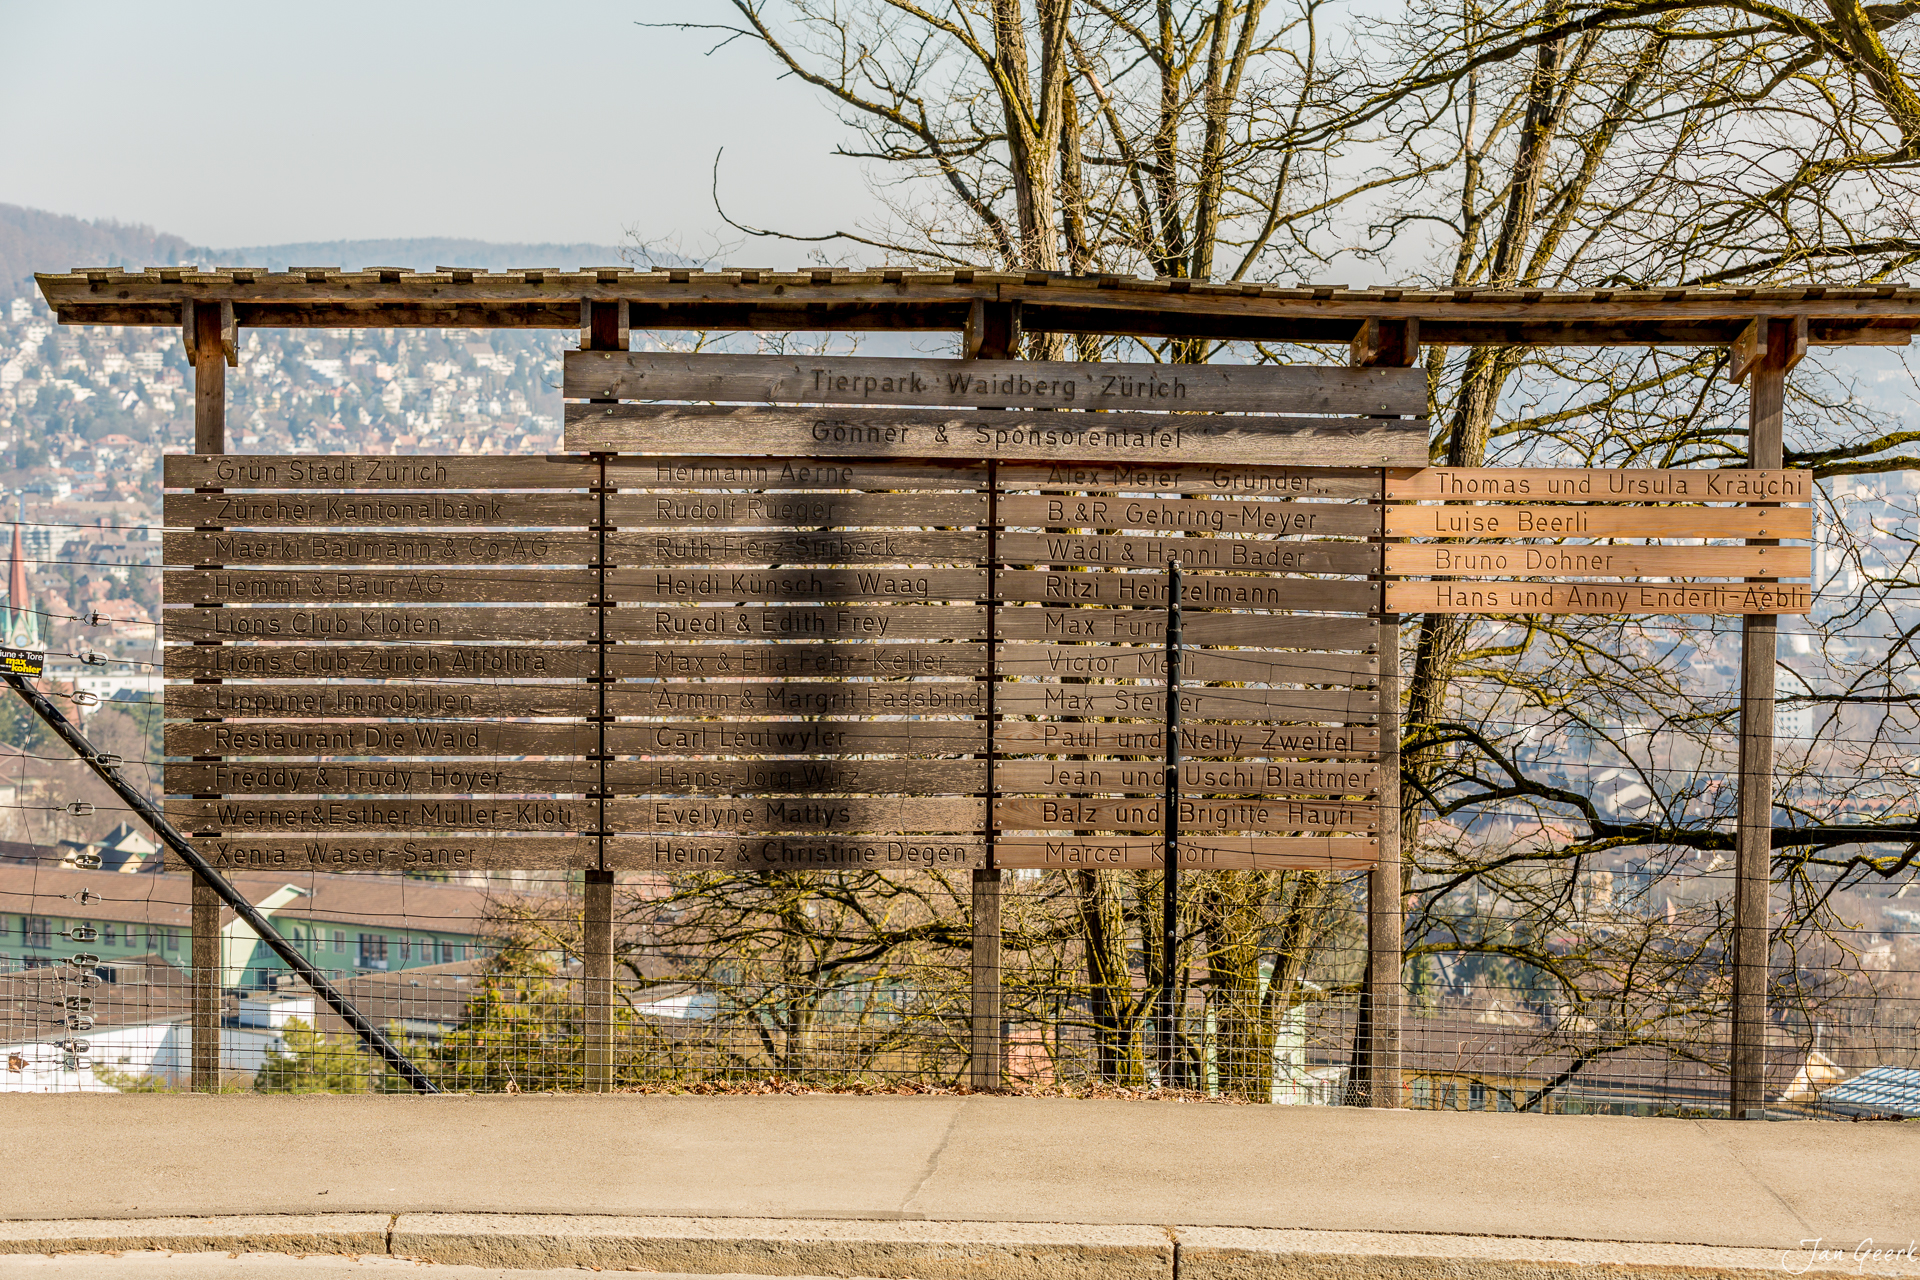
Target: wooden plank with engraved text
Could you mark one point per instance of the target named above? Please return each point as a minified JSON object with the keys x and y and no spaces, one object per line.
{"x":1192,"y":515}
{"x":1232,"y":741}
{"x":1265,"y":555}
{"x":1146,"y":626}
{"x":1147,"y":701}
{"x":312,"y":472}
{"x":690,"y":510}
{"x":1599,"y":597}
{"x":891,"y":815}
{"x":1197,"y":591}
{"x":852,"y":622}
{"x":634,"y":586}
{"x":379,"y":511}
{"x":381,"y":662}
{"x":377,"y":738}
{"x":1593,"y":521}
{"x":798,"y":737}
{"x":327,"y":813}
{"x":992,"y":384}
{"x":797,"y":777}
{"x":1196,"y":814}
{"x":1137,"y":439}
{"x":735,"y":472}
{"x":406,"y":697}
{"x":378,"y":586}
{"x":795,"y":661}
{"x":781,"y":698}
{"x":494,"y":546}
{"x":1211,"y":853}
{"x":383,"y":624}
{"x":1205,"y":777}
{"x":1172,"y":477}
{"x":1587,"y":560}
{"x":363,"y":777}
{"x":793,"y":853}
{"x":1543,"y":484}
{"x":397,"y":853}
{"x":784,"y":547}
{"x":1149,"y":662}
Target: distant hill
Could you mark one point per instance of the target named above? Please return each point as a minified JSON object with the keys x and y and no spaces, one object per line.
{"x":33,"y":240}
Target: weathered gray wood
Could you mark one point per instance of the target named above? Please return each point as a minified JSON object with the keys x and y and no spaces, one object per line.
{"x":317,"y":472}
{"x":793,"y":853}
{"x":851,"y":622}
{"x":1240,"y":481}
{"x":380,"y":662}
{"x":379,"y":548}
{"x":397,"y":853}
{"x":380,"y":777}
{"x":780,"y":698}
{"x":737,"y":472}
{"x":1599,"y":597}
{"x":336,"y":814}
{"x":383,"y":624}
{"x":1149,"y":702}
{"x":375,"y":738}
{"x":1197,"y":815}
{"x":893,"y":815}
{"x":1595,"y":560}
{"x":1146,"y":626}
{"x":1138,"y":439}
{"x":426,"y":587}
{"x":780,"y":585}
{"x":1539,"y":484}
{"x":379,"y":510}
{"x":1197,"y":591}
{"x":1212,"y":853}
{"x":797,"y":777}
{"x":795,"y":661}
{"x":1193,"y":515}
{"x":698,"y":510}
{"x":798,"y":737}
{"x":1149,"y":662}
{"x":1270,"y":555}
{"x":411,"y":698}
{"x":998,"y":384}
{"x":1202,"y":777}
{"x":1231,"y":741}
{"x":1458,"y":520}
{"x":795,"y":548}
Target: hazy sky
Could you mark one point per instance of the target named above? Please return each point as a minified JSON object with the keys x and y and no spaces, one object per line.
{"x":255,"y":123}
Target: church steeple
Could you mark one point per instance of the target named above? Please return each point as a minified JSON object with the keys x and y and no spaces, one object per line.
{"x":22,"y":620}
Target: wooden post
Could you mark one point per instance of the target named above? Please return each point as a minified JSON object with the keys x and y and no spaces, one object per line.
{"x":1765,"y":352}
{"x":992,"y":333}
{"x":603,"y":328}
{"x":209,"y":325}
{"x":1377,"y":1061}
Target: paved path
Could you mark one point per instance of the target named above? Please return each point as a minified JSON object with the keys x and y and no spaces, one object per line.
{"x":980,"y":1160}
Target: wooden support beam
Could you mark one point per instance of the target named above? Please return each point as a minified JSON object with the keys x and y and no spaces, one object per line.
{"x":596,"y":974}
{"x":989,"y":1048}
{"x":992,"y":332}
{"x":206,"y":326}
{"x":209,"y":380}
{"x":1776,"y":347}
{"x":1390,"y":343}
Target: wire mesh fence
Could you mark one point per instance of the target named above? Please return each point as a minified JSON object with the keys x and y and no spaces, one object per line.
{"x":860,"y":981}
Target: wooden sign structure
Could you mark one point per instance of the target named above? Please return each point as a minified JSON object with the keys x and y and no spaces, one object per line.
{"x":1507,"y":548}
{"x":774,"y":637}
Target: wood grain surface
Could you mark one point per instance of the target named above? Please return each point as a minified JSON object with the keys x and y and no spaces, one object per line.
{"x":1148,"y":813}
{"x":307,"y":473}
{"x":887,"y":815}
{"x":1149,"y":662}
{"x":381,"y":777}
{"x":725,"y":697}
{"x":1192,"y":515}
{"x":731,"y":511}
{"x":379,"y":586}
{"x":1135,"y":439}
{"x":737,"y":471}
{"x":1197,"y":777}
{"x":412,"y":698}
{"x":867,"y":380}
{"x":420,"y":853}
{"x":450,"y":738}
{"x":798,"y":737}
{"x":379,"y":510}
{"x":1595,"y":521}
{"x":795,"y":661}
{"x":1598,"y":597}
{"x":393,"y":625}
{"x":1197,"y":591}
{"x":333,"y":813}
{"x":1541,"y":484}
{"x":491,"y":662}
{"x":849,"y":622}
{"x":1239,"y":481}
{"x":1267,"y":555}
{"x":1588,"y":560}
{"x":1221,"y":741}
{"x":1147,"y":626}
{"x":733,"y":586}
{"x":1208,"y":853}
{"x":378,"y":547}
{"x":793,"y":853}
{"x":1149,"y":702}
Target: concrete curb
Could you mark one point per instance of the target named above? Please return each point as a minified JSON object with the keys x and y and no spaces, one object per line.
{"x":923,"y":1250}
